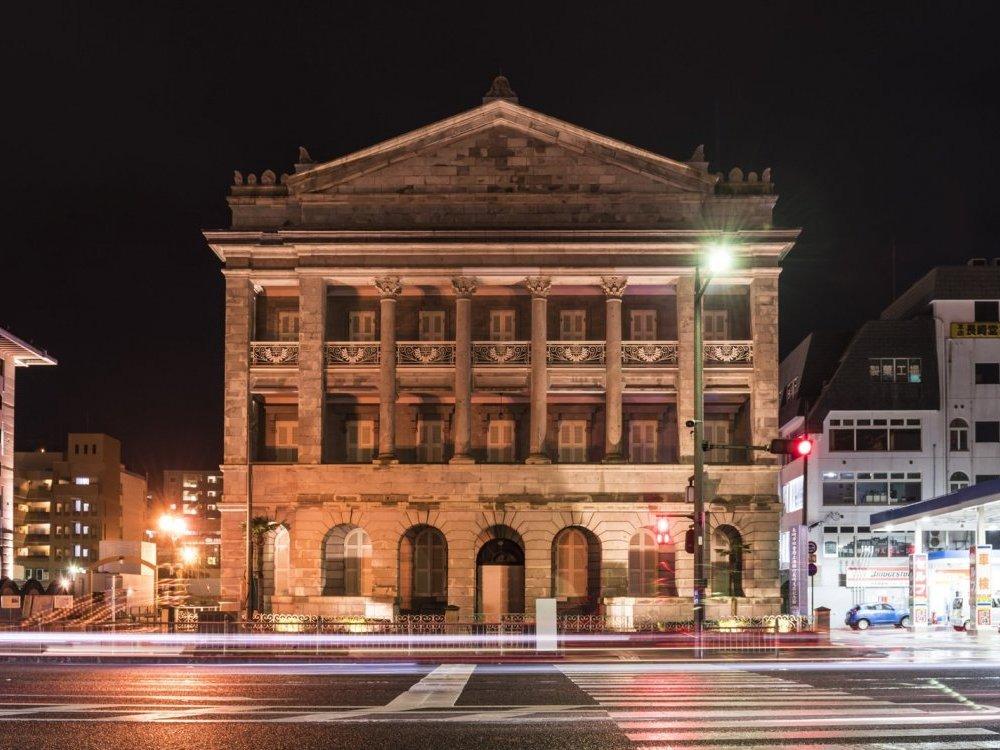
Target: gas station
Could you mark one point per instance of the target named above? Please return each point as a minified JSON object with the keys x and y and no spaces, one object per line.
{"x":956,"y":587}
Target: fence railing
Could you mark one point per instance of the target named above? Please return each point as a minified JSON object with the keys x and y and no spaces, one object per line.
{"x":425,"y":353}
{"x":723,"y":353}
{"x":274,"y":353}
{"x":357,"y":353}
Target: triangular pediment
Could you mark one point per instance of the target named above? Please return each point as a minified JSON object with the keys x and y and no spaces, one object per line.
{"x":501,"y":147}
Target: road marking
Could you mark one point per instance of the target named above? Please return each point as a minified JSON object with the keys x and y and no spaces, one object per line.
{"x":440,"y":689}
{"x":802,"y":734}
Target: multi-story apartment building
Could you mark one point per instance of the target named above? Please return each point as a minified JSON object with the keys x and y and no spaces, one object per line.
{"x":460,"y":364}
{"x":194,"y":496}
{"x":14,"y":353}
{"x":72,"y":501}
{"x":907,"y":409}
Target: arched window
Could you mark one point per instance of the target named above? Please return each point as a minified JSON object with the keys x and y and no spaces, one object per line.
{"x":958,"y":435}
{"x":276,"y":564}
{"x":571,"y":564}
{"x":347,"y":553}
{"x":957,"y":481}
{"x":430,"y":563}
{"x":727,"y":566}
{"x":642,"y":564}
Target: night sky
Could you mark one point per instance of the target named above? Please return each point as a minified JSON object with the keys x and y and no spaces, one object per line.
{"x":125,"y":121}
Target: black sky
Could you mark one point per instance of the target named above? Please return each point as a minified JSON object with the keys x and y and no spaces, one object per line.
{"x":124,"y":122}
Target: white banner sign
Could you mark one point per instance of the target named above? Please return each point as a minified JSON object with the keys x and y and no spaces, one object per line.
{"x":878,"y":576}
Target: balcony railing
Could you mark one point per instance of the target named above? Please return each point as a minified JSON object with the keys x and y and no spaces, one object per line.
{"x":501,"y":353}
{"x":575,"y":352}
{"x":649,"y":353}
{"x":359,"y":353}
{"x":728,"y":353}
{"x":274,"y":354}
{"x":425,"y":352}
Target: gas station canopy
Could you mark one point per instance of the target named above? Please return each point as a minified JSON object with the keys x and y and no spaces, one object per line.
{"x":962,"y":509}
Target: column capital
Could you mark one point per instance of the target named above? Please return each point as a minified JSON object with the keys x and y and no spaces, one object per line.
{"x":614,"y":286}
{"x":464,"y":286}
{"x":388,"y":286}
{"x":539,"y":286}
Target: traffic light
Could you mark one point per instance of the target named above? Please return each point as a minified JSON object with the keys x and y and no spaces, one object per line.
{"x":796,"y":447}
{"x":812,"y":558}
{"x":689,"y":541}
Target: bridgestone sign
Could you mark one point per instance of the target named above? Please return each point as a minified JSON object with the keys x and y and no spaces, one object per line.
{"x":865,"y":576}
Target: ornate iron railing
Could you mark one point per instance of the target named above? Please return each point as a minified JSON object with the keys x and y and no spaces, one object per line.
{"x":501,"y":353}
{"x":728,"y":353}
{"x":425,"y":352}
{"x":274,"y":353}
{"x":645,"y":353}
{"x":575,"y":352}
{"x":353,"y":353}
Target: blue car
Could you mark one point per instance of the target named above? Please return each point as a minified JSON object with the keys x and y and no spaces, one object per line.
{"x":863,"y":616}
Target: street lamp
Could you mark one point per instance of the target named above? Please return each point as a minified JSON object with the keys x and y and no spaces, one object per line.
{"x":717,"y":259}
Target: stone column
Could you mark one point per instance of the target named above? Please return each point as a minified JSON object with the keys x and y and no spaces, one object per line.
{"x":685,"y":368}
{"x":312,"y":400}
{"x":764,"y":386}
{"x":390,"y":288}
{"x":464,"y":287}
{"x":539,"y":287}
{"x":614,"y":287}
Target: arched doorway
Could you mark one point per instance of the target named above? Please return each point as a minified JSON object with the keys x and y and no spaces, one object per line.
{"x":576,"y":570}
{"x":423,"y":571}
{"x":652,"y":567}
{"x":500,"y":577}
{"x":276,"y":566}
{"x":347,"y":558}
{"x":727,"y":565}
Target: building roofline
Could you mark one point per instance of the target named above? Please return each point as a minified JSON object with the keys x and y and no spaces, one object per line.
{"x":25,"y":355}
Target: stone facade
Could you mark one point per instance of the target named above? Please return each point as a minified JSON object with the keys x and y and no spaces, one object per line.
{"x":460,"y":363}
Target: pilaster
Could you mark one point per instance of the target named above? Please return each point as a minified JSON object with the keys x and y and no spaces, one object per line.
{"x":764,"y":387}
{"x":240,"y":295}
{"x":685,"y":367}
{"x":312,"y":325}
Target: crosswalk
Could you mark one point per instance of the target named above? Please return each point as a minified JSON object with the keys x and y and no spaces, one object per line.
{"x":710,"y":710}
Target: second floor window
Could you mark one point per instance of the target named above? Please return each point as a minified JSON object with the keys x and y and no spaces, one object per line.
{"x":987,"y":373}
{"x":360,"y":441}
{"x":988,"y":432}
{"x":874,"y":435}
{"x":288,"y":325}
{"x":717,"y":432}
{"x":362,"y":325}
{"x":431,"y":325}
{"x":500,"y":441}
{"x":572,"y":441}
{"x":430,"y":441}
{"x":286,"y":433}
{"x":715,"y":324}
{"x":642,"y":325}
{"x":958,"y":435}
{"x":642,"y":441}
{"x":572,"y":325}
{"x":501,"y":325}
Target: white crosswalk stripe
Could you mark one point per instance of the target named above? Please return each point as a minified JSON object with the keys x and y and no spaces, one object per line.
{"x":710,"y":710}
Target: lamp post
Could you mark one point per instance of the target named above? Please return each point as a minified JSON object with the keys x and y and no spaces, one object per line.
{"x":718,"y":259}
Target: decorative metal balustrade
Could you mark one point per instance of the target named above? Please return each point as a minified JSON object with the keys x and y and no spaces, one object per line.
{"x":649,"y":353}
{"x":575,"y":353}
{"x":501,"y":353}
{"x":274,"y":353}
{"x":723,"y":353}
{"x":425,"y":353}
{"x":358,"y":353}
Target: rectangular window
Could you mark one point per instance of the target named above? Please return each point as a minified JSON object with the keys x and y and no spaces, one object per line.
{"x":431,"y":325}
{"x":430,"y":441}
{"x":871,"y":488}
{"x":988,"y":432}
{"x":500,"y":441}
{"x":288,"y":325}
{"x":987,"y":312}
{"x":642,"y":441}
{"x":715,"y":324}
{"x":572,"y":441}
{"x":987,"y":373}
{"x":904,"y":439}
{"x":286,"y":433}
{"x":501,"y":325}
{"x":872,"y":439}
{"x":362,"y":325}
{"x":842,"y":439}
{"x":572,"y":325}
{"x":980,"y":478}
{"x":360,"y":441}
{"x":717,"y":433}
{"x":643,"y":325}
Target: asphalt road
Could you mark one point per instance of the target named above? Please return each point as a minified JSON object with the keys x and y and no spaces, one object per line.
{"x":561,"y":705}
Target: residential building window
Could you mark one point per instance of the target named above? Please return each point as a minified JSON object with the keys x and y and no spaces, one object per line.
{"x":958,"y":435}
{"x":643,"y":325}
{"x":430,"y":441}
{"x":957,"y":481}
{"x":431,"y":325}
{"x":987,"y":311}
{"x":642,"y":441}
{"x":715,"y":325}
{"x":988,"y":432}
{"x":361,"y":325}
{"x":572,"y":441}
{"x":572,"y":325}
{"x":501,"y":325}
{"x":500,"y":441}
{"x":717,"y":433}
{"x":360,"y":441}
{"x":871,"y":488}
{"x":987,"y":373}
{"x":874,"y":435}
{"x":288,"y":326}
{"x":895,"y":369}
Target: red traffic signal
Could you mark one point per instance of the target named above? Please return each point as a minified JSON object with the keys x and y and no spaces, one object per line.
{"x":797,"y":447}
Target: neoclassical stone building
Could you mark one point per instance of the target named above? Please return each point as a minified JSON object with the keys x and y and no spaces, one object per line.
{"x":460,"y":365}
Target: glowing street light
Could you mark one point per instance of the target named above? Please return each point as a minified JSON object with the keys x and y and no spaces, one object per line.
{"x":189,"y":555}
{"x":173,"y":525}
{"x":719,"y":259}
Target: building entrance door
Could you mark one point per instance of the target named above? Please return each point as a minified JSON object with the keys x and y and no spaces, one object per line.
{"x":500,"y":579}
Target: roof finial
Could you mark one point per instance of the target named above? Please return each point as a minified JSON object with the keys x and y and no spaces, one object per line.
{"x":500,"y":89}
